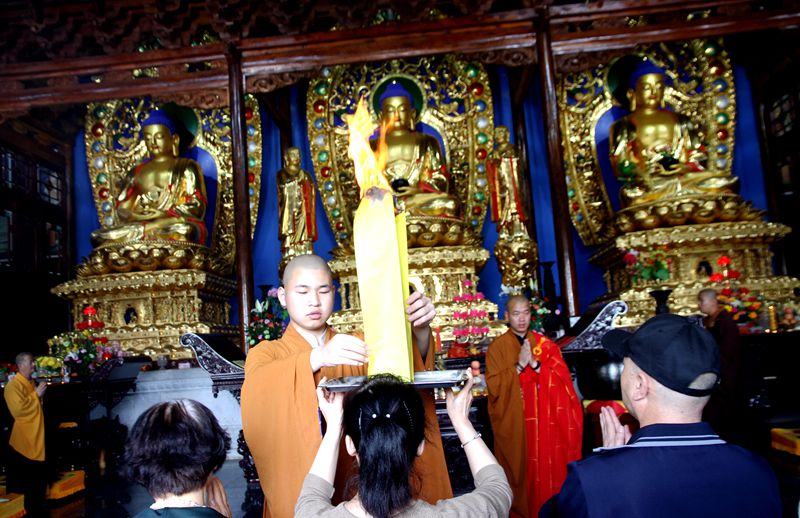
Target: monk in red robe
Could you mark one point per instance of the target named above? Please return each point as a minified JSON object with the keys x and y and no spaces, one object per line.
{"x":280,"y":419}
{"x":536,"y":416}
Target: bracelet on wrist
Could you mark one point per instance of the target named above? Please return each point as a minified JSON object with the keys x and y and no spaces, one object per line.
{"x":520,"y":367}
{"x":477,"y":436}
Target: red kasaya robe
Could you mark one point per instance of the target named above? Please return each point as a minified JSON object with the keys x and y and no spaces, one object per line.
{"x":536,"y":418}
{"x":282,"y":425}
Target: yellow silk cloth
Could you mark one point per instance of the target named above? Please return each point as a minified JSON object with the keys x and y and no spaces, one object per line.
{"x":382,"y":268}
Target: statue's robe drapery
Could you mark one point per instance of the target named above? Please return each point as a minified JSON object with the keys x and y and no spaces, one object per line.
{"x":505,"y":200}
{"x":536,"y":419}
{"x":180,"y":205}
{"x":283,"y":428}
{"x":426,"y":175}
{"x":684,"y":152}
{"x":296,"y":210}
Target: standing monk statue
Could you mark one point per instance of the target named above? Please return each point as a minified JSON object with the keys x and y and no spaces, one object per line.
{"x":296,"y":207}
{"x":516,"y":252}
{"x":163,"y":198}
{"x":505,"y":186}
{"x":415,"y":166}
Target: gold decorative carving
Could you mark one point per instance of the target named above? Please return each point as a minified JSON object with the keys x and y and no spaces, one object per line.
{"x":456,"y":104}
{"x":701,"y":89}
{"x":508,"y":57}
{"x":692,"y":249}
{"x":206,"y":99}
{"x":439,"y":272}
{"x":274,"y":81}
{"x":147,"y":312}
{"x":517,"y":254}
{"x":114,"y":148}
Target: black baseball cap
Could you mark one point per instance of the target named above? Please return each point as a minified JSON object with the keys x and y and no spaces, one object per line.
{"x":672,"y":349}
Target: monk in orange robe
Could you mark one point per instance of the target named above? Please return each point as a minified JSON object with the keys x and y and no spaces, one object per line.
{"x":536,"y":416}
{"x":280,"y":419}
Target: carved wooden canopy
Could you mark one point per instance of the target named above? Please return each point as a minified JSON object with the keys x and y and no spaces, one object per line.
{"x":76,"y":51}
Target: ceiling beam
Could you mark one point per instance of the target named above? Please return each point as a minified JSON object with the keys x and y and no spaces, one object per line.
{"x":266,"y":56}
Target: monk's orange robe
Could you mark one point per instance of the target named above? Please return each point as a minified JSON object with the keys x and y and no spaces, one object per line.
{"x":536,"y":418}
{"x":283,"y":428}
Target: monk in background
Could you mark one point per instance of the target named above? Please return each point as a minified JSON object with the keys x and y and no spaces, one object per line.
{"x":536,"y":416}
{"x":280,"y":418}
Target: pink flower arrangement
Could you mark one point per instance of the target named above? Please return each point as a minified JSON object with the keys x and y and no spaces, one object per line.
{"x":469,"y":322}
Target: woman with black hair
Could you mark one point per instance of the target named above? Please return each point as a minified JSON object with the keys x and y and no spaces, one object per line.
{"x":173,"y":449}
{"x":384,"y":426}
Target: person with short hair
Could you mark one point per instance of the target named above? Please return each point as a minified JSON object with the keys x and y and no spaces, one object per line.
{"x":384,"y":428}
{"x":280,"y":420}
{"x":173,"y":450}
{"x":536,"y":416}
{"x":674,"y":465}
{"x":726,"y":402}
{"x":27,"y":472}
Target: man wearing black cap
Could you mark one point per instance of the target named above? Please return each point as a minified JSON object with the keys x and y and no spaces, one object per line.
{"x":675,"y":465}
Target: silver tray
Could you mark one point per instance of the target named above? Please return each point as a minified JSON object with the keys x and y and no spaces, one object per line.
{"x":422,"y":380}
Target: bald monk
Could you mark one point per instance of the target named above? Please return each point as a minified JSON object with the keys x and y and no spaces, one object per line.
{"x":280,"y":420}
{"x":537,"y":434}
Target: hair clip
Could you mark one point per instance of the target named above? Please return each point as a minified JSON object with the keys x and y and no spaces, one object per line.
{"x":408,"y":413}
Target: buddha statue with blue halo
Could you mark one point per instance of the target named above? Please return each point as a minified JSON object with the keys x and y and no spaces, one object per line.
{"x":661,"y":161}
{"x":657,"y":153}
{"x":415,"y":166}
{"x":162,"y":199}
{"x":159,"y":211}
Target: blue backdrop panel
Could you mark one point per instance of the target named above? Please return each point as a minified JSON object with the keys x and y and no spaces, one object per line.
{"x":747,"y":153}
{"x":266,"y":243}
{"x":540,"y":177}
{"x":85,"y":212}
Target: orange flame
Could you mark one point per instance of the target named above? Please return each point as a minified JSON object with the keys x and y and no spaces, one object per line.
{"x":368,"y":164}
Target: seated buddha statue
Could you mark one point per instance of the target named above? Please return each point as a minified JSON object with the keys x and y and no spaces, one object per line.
{"x":655,"y":152}
{"x":415,"y":166}
{"x":163,"y":198}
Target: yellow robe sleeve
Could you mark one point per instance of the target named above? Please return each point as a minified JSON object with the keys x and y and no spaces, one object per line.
{"x":27,"y":434}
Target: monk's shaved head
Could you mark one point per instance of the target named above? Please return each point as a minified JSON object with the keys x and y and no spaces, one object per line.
{"x":303,"y":263}
{"x":707,"y":294}
{"x":516,"y":299}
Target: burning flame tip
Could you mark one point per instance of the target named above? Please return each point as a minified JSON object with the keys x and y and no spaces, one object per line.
{"x":368,"y":164}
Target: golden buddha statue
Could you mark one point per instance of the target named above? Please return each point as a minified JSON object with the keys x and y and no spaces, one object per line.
{"x":656,"y":153}
{"x":163,"y":198}
{"x":504,"y":185}
{"x":415,"y":166}
{"x":296,"y":207}
{"x":516,"y":253}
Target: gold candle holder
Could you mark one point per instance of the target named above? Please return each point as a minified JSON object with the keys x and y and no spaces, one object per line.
{"x":773,"y":318}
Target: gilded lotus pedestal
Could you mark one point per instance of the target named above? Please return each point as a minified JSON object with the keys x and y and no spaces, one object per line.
{"x":693,"y":251}
{"x":147,"y":312}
